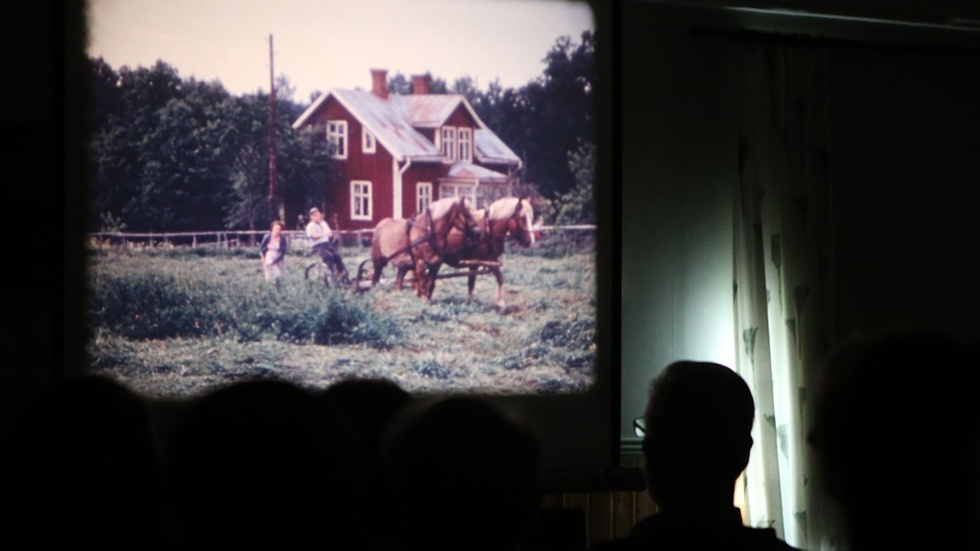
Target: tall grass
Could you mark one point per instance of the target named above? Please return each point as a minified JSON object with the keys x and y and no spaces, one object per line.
{"x":171,"y":321}
{"x":172,"y":294}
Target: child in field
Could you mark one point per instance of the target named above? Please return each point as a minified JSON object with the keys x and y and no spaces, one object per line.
{"x":273,"y":249}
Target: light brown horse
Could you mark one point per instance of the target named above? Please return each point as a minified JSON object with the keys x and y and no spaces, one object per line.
{"x":506,"y":217}
{"x":418,"y":243}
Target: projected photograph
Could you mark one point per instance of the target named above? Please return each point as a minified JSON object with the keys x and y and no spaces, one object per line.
{"x":313,"y":191}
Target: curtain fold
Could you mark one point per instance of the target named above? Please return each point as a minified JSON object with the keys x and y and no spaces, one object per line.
{"x":780,"y":264}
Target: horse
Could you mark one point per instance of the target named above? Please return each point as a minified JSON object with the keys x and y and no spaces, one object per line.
{"x":418,"y":243}
{"x":506,"y":217}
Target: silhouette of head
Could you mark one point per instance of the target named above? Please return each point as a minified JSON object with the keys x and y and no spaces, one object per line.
{"x":80,"y":462}
{"x":371,"y":405}
{"x":698,"y":434}
{"x":263,"y":463}
{"x":463,"y":476}
{"x":895,"y":432}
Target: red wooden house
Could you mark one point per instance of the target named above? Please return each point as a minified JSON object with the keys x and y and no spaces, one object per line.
{"x":397,"y":153}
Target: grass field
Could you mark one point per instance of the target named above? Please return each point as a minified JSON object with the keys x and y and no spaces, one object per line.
{"x":178,"y":322}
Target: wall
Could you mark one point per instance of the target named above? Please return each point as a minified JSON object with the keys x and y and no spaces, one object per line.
{"x":607,"y":515}
{"x":371,"y":167}
{"x":906,"y":142}
{"x":31,"y":165}
{"x":678,"y":147}
{"x":905,"y":120}
{"x":905,"y":104}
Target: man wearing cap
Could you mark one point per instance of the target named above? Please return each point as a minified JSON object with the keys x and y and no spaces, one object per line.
{"x":320,"y":235}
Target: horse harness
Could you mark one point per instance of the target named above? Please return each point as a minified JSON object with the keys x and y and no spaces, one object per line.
{"x":429,"y":235}
{"x":488,"y":236}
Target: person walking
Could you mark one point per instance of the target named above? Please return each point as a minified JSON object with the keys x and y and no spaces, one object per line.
{"x":273,"y":249}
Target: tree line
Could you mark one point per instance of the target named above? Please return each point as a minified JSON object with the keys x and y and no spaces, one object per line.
{"x":178,"y":154}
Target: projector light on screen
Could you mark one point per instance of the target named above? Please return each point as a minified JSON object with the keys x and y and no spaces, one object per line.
{"x":373,"y":113}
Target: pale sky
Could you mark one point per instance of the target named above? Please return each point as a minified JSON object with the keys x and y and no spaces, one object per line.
{"x":323,"y":44}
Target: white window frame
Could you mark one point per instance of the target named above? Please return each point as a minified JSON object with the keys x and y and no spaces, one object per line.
{"x":458,"y":190}
{"x":423,"y":195}
{"x":369,"y":144}
{"x":465,"y":145}
{"x":361,"y":201}
{"x":448,"y":141}
{"x":337,"y":137}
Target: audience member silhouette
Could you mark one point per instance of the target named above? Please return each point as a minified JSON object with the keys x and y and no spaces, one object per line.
{"x":896,"y":439}
{"x":371,"y":404}
{"x":698,"y":436}
{"x":80,"y":469}
{"x":264,"y":464}
{"x":462,"y":475}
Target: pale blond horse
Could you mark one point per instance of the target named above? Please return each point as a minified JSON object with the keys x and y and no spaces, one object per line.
{"x":418,"y":243}
{"x":506,"y":217}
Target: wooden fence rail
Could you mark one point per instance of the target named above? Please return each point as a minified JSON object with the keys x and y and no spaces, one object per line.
{"x":250,"y":238}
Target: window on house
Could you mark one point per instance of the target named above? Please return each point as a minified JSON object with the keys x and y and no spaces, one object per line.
{"x":337,"y":138}
{"x":360,"y":200}
{"x":486,"y":195}
{"x":449,"y":142}
{"x":458,"y":190}
{"x":466,"y":144}
{"x":368,"y":144}
{"x":423,"y":196}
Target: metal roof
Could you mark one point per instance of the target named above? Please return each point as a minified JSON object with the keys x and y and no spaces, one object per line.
{"x":387,"y":121}
{"x":394,"y":121}
{"x":430,"y":110}
{"x":469,"y":171}
{"x":489,"y":148}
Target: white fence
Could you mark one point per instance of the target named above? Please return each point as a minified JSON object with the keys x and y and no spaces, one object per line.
{"x":223,"y":239}
{"x":250,"y":238}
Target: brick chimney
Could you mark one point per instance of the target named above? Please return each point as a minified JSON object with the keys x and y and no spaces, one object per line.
{"x":420,"y":84}
{"x":379,"y":83}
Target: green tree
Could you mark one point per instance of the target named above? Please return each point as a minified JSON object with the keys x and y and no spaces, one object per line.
{"x":248,"y":205}
{"x":183,"y":160}
{"x":172,"y":154}
{"x":306,"y":170}
{"x":399,"y":84}
{"x":506,"y":111}
{"x":560,"y":114}
{"x":303,"y":165}
{"x":126,"y":103}
{"x":547,"y":120}
{"x":577,"y":206}
{"x":437,"y":85}
{"x":466,"y":86}
{"x":105,"y":94}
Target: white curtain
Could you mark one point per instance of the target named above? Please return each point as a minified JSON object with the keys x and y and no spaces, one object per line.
{"x":781,"y":262}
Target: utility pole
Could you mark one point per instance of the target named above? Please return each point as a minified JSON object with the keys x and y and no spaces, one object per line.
{"x":275,"y":210}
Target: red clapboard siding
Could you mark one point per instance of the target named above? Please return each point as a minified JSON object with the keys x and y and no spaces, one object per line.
{"x":420,"y":172}
{"x":373,"y":167}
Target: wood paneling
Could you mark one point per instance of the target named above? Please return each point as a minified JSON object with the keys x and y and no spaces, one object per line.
{"x":608,"y":515}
